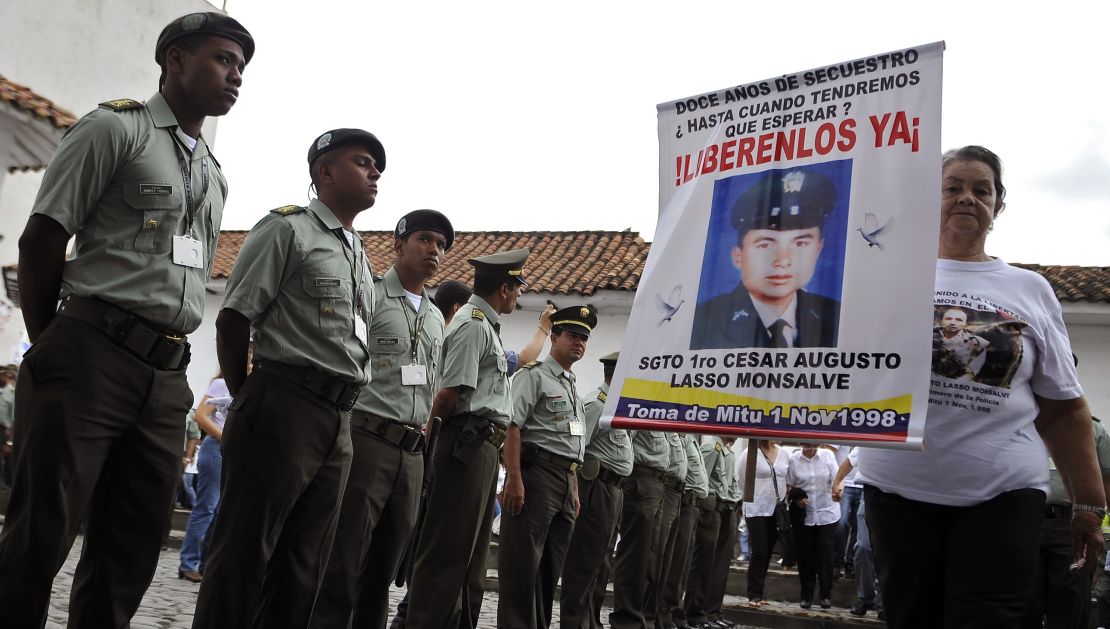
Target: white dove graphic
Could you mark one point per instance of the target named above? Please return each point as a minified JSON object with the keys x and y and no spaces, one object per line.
{"x":671,"y":305}
{"x":871,"y":230}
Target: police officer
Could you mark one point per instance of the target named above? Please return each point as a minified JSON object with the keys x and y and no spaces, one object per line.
{"x":474,"y":399}
{"x":674,"y":583}
{"x":303,"y":282}
{"x":383,"y":491}
{"x":103,"y":389}
{"x":674,"y":481}
{"x":714,"y":535}
{"x":608,"y":462}
{"x":544,"y":447}
{"x":643,"y":501}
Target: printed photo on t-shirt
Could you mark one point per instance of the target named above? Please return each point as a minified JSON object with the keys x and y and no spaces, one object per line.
{"x":982,"y":346}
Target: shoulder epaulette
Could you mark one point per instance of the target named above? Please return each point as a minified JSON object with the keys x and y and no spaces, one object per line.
{"x":121,"y":104}
{"x":286,"y":210}
{"x":718,"y":447}
{"x":530,"y":365}
{"x":477,"y":314}
{"x":602,"y":396}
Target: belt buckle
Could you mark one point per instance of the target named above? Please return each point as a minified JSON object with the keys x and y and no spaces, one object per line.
{"x":574,"y":467}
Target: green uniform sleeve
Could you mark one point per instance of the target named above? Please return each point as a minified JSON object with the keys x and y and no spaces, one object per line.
{"x":462,"y":351}
{"x":1102,"y":447}
{"x":525,"y":391}
{"x":262,"y":267}
{"x":82,"y":168}
{"x":592,"y":408}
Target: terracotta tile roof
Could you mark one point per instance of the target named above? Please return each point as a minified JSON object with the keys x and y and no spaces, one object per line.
{"x":580,"y":262}
{"x":22,"y":97}
{"x":1076,"y":283}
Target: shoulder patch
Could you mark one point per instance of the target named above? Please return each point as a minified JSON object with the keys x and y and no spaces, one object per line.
{"x":478,"y":314}
{"x":121,"y":104}
{"x":286,"y":210}
{"x":717,"y":446}
{"x":530,"y":365}
{"x":602,"y":396}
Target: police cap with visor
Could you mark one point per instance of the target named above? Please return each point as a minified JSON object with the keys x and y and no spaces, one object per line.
{"x":578,"y":319}
{"x":506,"y":265}
{"x":784,"y":200}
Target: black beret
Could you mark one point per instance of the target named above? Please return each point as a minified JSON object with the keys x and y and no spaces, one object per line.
{"x":209,"y":23}
{"x":579,"y":319}
{"x":340,"y":137}
{"x":425,"y":219}
{"x":784,"y":200}
{"x":506,"y":265}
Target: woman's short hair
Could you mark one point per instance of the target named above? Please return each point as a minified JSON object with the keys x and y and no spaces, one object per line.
{"x":974,"y":153}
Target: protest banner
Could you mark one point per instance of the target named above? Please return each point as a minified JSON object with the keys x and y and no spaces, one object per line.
{"x":789,"y":290}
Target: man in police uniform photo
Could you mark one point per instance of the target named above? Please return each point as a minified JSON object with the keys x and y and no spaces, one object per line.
{"x":544,"y":448}
{"x":475,"y":404}
{"x":102,"y":392}
{"x":779,"y":222}
{"x":302,"y":282}
{"x":383,"y":490}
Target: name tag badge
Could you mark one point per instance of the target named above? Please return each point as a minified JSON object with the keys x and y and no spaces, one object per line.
{"x":576,"y":427}
{"x":414,"y":375}
{"x":360,"y":331}
{"x":188,"y":251}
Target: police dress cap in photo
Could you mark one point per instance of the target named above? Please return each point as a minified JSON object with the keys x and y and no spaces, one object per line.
{"x":425,"y":219}
{"x":785,"y":200}
{"x":505,"y":265}
{"x":336,"y":138}
{"x":609,"y":359}
{"x":208,"y":23}
{"x":578,"y":319}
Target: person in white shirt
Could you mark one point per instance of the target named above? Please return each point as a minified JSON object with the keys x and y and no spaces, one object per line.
{"x":809,"y":476}
{"x":771,"y":468}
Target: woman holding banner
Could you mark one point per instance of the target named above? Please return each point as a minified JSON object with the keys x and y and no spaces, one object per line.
{"x":955,"y":527}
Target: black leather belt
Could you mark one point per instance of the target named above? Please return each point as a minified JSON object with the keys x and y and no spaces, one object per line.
{"x":708,"y":503}
{"x":404,"y":437}
{"x":159,"y":349}
{"x":561,"y":462}
{"x":497,"y":437}
{"x":726,"y":507}
{"x":1052,"y":512}
{"x":650,"y":472}
{"x":674,"y":484}
{"x":690,"y":497}
{"x":339,"y":392}
{"x":607,"y":475}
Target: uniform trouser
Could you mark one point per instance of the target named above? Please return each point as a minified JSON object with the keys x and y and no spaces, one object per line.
{"x":375,"y":524}
{"x":604,"y":571}
{"x":674,"y":584}
{"x":722,"y":560}
{"x":98,"y":440}
{"x":287,"y":454}
{"x":816,"y":559}
{"x":533,"y":545}
{"x":1060,"y":595}
{"x":591,"y":541}
{"x":701,"y":564}
{"x":965,"y":566}
{"x":762,"y":534}
{"x":450,"y":539}
{"x":194,"y":548}
{"x":662,"y":546}
{"x":643,"y":499}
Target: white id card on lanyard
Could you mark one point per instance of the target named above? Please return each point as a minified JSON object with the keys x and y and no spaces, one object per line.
{"x":414,"y":375}
{"x":360,"y":330}
{"x":188,"y":251}
{"x":576,"y":427}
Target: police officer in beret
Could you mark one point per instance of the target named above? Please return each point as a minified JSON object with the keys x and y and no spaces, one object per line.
{"x":137,"y":187}
{"x":544,"y":448}
{"x":779,"y":222}
{"x":303,"y":283}
{"x":475,"y":403}
{"x":383,"y":492}
{"x":608,"y":462}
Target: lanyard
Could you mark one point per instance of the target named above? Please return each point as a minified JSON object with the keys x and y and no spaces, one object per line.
{"x":353,"y":259}
{"x":568,"y":384}
{"x":187,"y":178}
{"x":414,"y":329}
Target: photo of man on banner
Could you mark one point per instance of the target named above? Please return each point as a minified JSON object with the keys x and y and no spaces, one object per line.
{"x":783,"y":230}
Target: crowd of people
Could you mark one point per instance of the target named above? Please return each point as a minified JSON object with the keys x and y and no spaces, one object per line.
{"x":357,"y":427}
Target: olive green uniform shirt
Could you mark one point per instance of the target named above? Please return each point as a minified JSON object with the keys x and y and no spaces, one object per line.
{"x":394,"y":327}
{"x":676,"y":452}
{"x":1057,"y":493}
{"x":650,"y":449}
{"x":474,"y":359}
{"x":116,"y":184}
{"x":720,"y":465}
{"x":304,"y":289}
{"x":7,"y":407}
{"x":612,"y":448}
{"x":696,"y":479}
{"x":548,"y":409}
